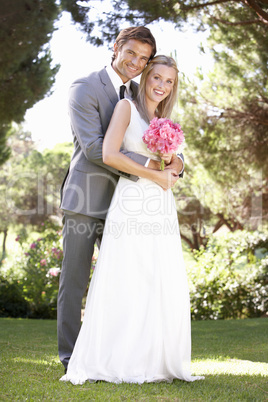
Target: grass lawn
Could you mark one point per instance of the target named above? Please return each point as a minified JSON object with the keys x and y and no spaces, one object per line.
{"x":233,"y":356}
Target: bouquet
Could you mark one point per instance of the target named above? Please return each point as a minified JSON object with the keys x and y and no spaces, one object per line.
{"x":163,"y":136}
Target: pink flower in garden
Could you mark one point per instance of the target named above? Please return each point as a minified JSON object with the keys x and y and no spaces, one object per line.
{"x":60,"y":254}
{"x":163,"y":136}
{"x":27,"y":254}
{"x":17,"y":238}
{"x":57,"y":252}
{"x":33,"y":245}
{"x":54,"y":250}
{"x":54,"y":271}
{"x":43,"y":262}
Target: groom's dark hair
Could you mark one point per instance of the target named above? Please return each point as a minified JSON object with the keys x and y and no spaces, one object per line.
{"x":141,"y":34}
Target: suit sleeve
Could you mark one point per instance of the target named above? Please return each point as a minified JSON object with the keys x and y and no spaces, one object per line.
{"x":182,"y":159}
{"x":86,"y":119}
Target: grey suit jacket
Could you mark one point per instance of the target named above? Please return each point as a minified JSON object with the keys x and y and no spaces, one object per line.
{"x":89,"y":184}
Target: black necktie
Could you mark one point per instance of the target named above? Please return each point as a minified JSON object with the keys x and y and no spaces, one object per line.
{"x":122,"y":91}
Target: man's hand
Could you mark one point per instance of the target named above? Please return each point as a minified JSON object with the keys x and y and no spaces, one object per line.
{"x":166,"y":178}
{"x":155,"y":165}
{"x":176,"y":163}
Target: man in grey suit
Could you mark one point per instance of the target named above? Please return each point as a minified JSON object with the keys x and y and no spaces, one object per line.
{"x":89,"y":185}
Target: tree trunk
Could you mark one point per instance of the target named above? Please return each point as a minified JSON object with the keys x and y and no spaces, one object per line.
{"x":4,"y":244}
{"x":231,"y":223}
{"x":188,"y":241}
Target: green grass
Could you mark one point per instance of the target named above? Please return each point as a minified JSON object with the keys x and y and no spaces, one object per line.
{"x":232,"y":355}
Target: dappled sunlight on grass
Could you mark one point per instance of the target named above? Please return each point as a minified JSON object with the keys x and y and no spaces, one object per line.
{"x":230,"y":367}
{"x":44,"y":362}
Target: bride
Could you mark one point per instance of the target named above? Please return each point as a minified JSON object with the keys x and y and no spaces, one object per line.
{"x":137,"y":324}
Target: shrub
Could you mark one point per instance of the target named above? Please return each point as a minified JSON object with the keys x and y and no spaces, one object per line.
{"x":12,"y":302}
{"x":40,"y":268}
{"x":32,"y":279}
{"x":229,"y":277}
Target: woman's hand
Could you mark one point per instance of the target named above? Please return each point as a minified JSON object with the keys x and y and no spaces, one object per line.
{"x":166,"y":178}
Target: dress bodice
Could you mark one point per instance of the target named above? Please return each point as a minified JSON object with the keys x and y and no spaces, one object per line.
{"x":133,"y":137}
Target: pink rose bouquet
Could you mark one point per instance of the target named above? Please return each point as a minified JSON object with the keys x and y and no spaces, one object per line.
{"x":163,"y":136}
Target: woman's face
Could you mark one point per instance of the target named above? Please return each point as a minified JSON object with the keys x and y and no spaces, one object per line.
{"x":160,"y":82}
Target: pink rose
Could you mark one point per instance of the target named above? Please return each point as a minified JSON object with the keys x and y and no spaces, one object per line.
{"x":54,"y":271}
{"x":163,"y":135}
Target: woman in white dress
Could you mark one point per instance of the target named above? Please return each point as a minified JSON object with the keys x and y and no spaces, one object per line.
{"x":137,"y":325}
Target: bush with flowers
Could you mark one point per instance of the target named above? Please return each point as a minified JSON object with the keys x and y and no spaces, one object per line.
{"x":229,"y":278}
{"x":40,"y":268}
{"x":30,"y":287}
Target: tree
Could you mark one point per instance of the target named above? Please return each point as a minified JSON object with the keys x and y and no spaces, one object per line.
{"x":225,"y":122}
{"x":26,"y":73}
{"x":226,"y":118}
{"x":30,"y":182}
{"x":201,"y":13}
{"x":204,"y":205}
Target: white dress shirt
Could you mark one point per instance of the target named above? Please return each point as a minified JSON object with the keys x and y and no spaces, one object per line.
{"x":117,"y":82}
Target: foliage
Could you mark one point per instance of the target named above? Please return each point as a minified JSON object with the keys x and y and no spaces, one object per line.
{"x":143,"y":12}
{"x":30,"y":181}
{"x":205,"y":204}
{"x":200,"y":204}
{"x":21,"y":146}
{"x":230,"y":277}
{"x":12,"y":301}
{"x":224,"y":115}
{"x":26,"y":73}
{"x":29,"y":281}
{"x":231,"y":354}
{"x":4,"y":149}
{"x":40,"y":269}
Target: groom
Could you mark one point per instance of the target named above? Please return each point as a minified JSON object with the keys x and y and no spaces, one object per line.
{"x":89,"y":185}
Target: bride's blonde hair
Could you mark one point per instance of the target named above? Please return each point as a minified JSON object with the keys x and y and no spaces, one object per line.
{"x":165,"y":107}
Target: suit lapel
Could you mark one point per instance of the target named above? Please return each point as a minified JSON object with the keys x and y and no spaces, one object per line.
{"x":134,"y":88}
{"x":108,"y":87}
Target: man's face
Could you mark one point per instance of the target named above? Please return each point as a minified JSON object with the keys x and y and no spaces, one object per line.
{"x":131,"y":59}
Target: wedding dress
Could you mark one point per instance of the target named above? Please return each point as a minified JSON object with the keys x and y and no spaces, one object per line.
{"x":136,"y":325}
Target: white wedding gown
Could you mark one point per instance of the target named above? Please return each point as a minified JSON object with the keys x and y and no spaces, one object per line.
{"x":136,"y":325}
